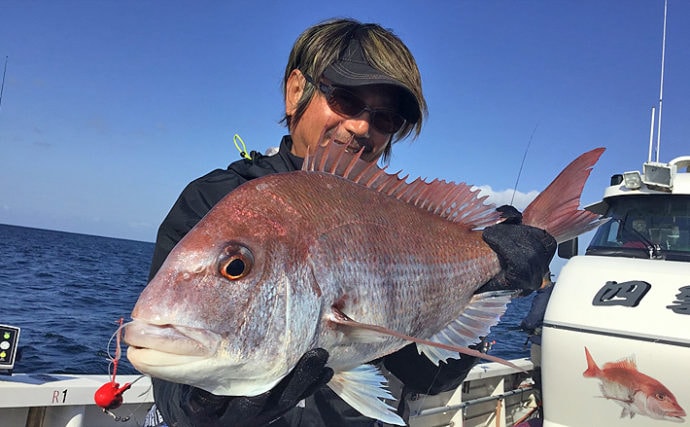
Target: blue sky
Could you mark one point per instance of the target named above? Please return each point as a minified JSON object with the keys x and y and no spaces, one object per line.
{"x":111,"y":107}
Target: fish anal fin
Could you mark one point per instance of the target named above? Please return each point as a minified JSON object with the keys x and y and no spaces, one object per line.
{"x":364,"y":388}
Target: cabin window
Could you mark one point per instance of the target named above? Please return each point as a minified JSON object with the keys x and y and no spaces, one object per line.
{"x":640,"y":224}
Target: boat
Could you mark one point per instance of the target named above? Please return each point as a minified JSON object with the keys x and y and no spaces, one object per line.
{"x":631,"y":291}
{"x":492,"y":394}
{"x":60,"y":400}
{"x":616,"y":331}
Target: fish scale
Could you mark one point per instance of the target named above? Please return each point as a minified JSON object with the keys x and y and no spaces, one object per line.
{"x":402,"y":270}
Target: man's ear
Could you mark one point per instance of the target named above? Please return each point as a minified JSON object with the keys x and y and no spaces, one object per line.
{"x":294,"y":88}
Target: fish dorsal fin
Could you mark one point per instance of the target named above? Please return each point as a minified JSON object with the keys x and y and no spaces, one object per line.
{"x":627,"y":363}
{"x":363,"y":388}
{"x":456,"y":202}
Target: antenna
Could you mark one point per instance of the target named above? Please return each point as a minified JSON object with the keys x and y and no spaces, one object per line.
{"x":661,"y":85}
{"x":651,"y":135}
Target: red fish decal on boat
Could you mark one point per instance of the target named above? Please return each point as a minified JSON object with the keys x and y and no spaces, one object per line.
{"x":636,"y":392}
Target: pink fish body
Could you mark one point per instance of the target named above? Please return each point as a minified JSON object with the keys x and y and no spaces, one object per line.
{"x":636,"y":392}
{"x":290,"y":262}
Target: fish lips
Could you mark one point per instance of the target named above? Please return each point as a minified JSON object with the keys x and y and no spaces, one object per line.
{"x":168,"y":345}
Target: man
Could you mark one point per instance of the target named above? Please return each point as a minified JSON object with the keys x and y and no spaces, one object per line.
{"x":532,"y":324}
{"x":356,"y":84}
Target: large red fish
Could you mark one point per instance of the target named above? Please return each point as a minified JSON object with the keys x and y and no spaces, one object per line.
{"x":342,"y":256}
{"x":636,"y":392}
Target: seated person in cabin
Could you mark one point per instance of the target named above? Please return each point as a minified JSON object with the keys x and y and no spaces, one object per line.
{"x":639,"y":236}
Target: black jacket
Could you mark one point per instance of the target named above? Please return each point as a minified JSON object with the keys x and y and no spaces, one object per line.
{"x":203,"y":193}
{"x":532,"y":323}
{"x":323,"y":408}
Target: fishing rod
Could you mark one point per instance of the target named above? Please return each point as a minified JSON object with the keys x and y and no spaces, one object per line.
{"x":2,"y":87}
{"x":522,"y":164}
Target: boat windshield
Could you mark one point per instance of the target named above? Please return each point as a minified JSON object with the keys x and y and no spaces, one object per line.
{"x":649,"y":226}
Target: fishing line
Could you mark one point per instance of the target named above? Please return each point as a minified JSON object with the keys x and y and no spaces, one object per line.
{"x":117,"y":335}
{"x":427,"y":394}
{"x":109,"y":395}
{"x":522,"y":164}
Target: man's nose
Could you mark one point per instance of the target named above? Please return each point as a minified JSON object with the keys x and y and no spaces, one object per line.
{"x":360,"y":125}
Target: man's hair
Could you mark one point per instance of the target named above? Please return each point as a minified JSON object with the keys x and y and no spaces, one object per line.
{"x":321,"y":45}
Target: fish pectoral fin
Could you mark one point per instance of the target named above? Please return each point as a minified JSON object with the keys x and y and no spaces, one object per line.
{"x":483,"y":312}
{"x":489,"y":307}
{"x":364,"y":388}
{"x":358,"y":331}
{"x":627,"y":413}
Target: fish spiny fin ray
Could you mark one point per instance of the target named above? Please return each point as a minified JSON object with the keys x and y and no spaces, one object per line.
{"x":483,"y":312}
{"x":455,"y":202}
{"x":556,"y":208}
{"x":363,"y":388}
{"x":626,"y":363}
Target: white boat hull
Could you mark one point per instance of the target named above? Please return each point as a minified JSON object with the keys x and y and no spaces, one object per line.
{"x":67,"y":400}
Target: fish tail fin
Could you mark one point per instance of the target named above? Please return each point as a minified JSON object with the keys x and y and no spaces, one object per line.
{"x":556,"y":208}
{"x":592,"y":368}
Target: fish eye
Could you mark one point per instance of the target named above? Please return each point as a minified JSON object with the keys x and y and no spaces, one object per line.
{"x":660,"y":396}
{"x":236,"y":262}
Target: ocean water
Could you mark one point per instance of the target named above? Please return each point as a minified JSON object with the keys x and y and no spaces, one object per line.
{"x":66,"y":292}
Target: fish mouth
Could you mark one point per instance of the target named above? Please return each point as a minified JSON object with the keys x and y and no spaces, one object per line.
{"x":169,"y":344}
{"x":676,"y":418}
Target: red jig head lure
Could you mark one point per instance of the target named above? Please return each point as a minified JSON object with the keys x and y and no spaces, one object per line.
{"x":109,"y":395}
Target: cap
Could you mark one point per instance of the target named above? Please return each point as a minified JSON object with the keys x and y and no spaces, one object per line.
{"x":352,"y":69}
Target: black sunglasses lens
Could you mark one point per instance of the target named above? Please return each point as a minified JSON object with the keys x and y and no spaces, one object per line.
{"x":347,"y":103}
{"x":386,"y":121}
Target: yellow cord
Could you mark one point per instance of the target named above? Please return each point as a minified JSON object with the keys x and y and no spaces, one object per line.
{"x":243,"y":149}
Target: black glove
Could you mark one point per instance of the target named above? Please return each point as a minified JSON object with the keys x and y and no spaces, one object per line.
{"x":523,"y":251}
{"x":201,"y":408}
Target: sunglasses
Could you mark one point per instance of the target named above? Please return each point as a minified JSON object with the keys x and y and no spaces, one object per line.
{"x":346,"y":103}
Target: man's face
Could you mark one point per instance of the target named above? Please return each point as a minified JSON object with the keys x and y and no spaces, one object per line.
{"x":321,"y":123}
{"x":640,"y":225}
